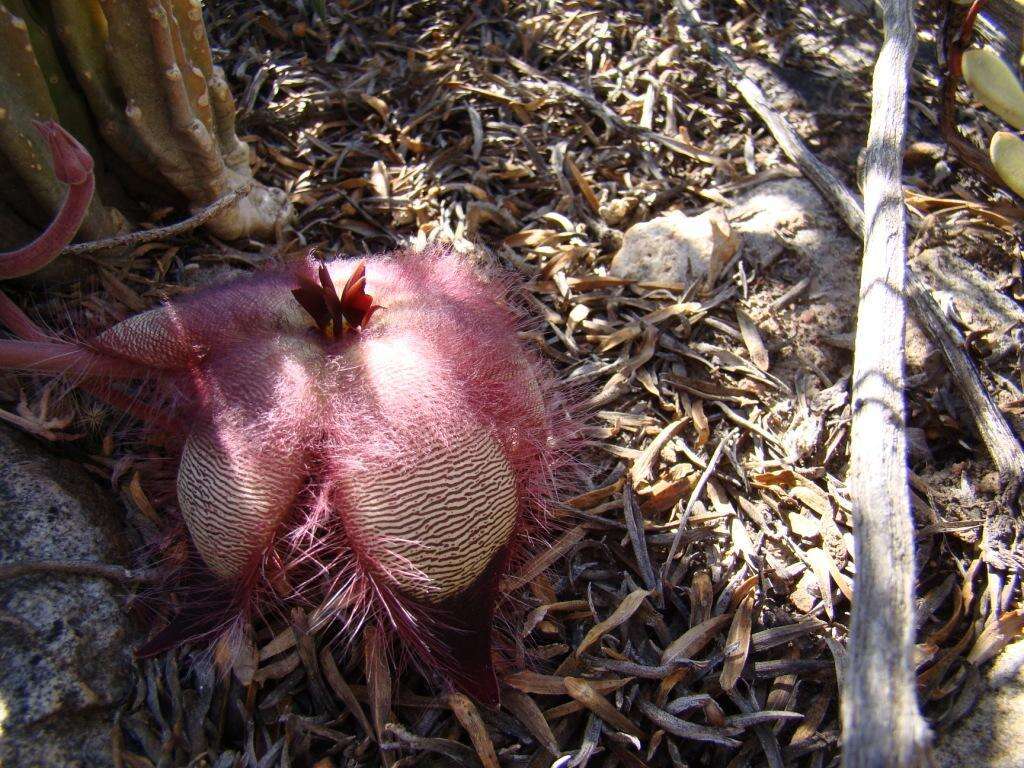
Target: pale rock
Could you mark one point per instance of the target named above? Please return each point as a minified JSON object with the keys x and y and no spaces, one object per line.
{"x":790,"y":213}
{"x":676,"y":248}
{"x":618,"y":210}
{"x":992,"y":735}
{"x":789,"y":232}
{"x":804,"y":526}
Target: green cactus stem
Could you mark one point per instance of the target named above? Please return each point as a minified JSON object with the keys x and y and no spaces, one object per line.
{"x":134,"y":81}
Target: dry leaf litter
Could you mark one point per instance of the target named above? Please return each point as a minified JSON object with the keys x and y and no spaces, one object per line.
{"x":695,"y":607}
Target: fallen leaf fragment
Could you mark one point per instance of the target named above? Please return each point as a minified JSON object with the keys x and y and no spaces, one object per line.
{"x":619,"y":616}
{"x":585,"y":694}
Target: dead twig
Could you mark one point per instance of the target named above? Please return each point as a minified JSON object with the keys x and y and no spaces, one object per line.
{"x":988,"y":421}
{"x":116,"y":573}
{"x":132,"y":239}
{"x":995,"y":433}
{"x":698,"y":489}
{"x":888,"y":729}
{"x":789,"y":141}
{"x":958,"y":38}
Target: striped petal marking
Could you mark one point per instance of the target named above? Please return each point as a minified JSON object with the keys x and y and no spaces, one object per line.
{"x":232,"y":495}
{"x":432,"y":523}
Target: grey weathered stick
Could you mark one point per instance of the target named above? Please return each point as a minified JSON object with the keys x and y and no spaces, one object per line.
{"x":882,"y":725}
{"x":844,"y":201}
{"x":1000,"y":442}
{"x":698,"y":489}
{"x":995,"y":433}
{"x":635,"y":528}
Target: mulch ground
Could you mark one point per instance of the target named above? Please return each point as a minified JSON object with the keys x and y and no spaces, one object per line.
{"x":694,"y":611}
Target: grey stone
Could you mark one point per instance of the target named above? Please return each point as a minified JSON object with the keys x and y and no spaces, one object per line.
{"x":676,"y":248}
{"x":64,"y":657}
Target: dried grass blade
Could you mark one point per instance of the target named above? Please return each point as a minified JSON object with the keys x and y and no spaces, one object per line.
{"x":546,"y":559}
{"x":635,"y":528}
{"x":643,"y":467}
{"x":342,"y":690}
{"x":693,"y":640}
{"x":997,"y":636}
{"x":529,"y":714}
{"x":752,"y":340}
{"x":583,"y":692}
{"x":553,"y":685}
{"x":737,"y":644}
{"x":629,"y":605}
{"x":687,"y":730}
{"x":469,"y":718}
{"x":813,"y":716}
{"x":820,"y":567}
{"x":460,"y":753}
{"x":378,"y":678}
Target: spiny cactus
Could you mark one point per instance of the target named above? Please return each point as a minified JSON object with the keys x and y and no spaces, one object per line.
{"x":134,"y":82}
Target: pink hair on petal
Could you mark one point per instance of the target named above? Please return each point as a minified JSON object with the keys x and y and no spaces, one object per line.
{"x":304,"y":397}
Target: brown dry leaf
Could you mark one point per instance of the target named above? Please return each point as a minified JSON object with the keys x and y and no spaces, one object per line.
{"x":545,"y":559}
{"x":584,"y":186}
{"x":786,"y":478}
{"x":664,"y":494}
{"x":596,"y":496}
{"x":820,"y":567}
{"x":996,"y":636}
{"x":124,"y":294}
{"x":643,"y":467}
{"x":619,"y":616}
{"x":529,"y":714}
{"x":534,"y":238}
{"x":844,"y":584}
{"x":700,"y":420}
{"x":342,"y":689}
{"x":592,"y":282}
{"x":745,"y":588}
{"x":702,"y":596}
{"x":243,"y":655}
{"x":738,"y":643}
{"x":813,"y":717}
{"x":141,"y":500}
{"x":812,"y":496}
{"x":752,"y":340}
{"x":379,"y":179}
{"x":281,"y":642}
{"x":468,"y":717}
{"x":378,"y":678}
{"x":552,"y":685}
{"x":377,"y":104}
{"x":694,"y":640}
{"x":277,"y":669}
{"x":740,"y":538}
{"x":687,"y":730}
{"x":587,"y":695}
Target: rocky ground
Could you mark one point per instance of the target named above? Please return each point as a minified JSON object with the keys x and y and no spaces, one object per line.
{"x":689,"y":281}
